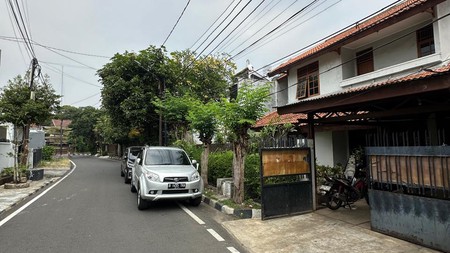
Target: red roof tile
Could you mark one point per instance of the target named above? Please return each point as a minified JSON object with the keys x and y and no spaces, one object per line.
{"x":273,"y":118}
{"x":358,"y":28}
{"x":65,"y":123}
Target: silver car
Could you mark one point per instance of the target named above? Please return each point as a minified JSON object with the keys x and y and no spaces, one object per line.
{"x":165,"y":173}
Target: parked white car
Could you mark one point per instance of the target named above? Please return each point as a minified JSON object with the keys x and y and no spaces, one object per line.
{"x":165,"y":173}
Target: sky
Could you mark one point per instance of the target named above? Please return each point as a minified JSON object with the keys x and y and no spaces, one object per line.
{"x":73,"y":39}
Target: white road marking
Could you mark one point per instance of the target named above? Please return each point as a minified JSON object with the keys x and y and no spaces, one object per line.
{"x":233,"y":250}
{"x":2,"y":222}
{"x":193,"y":216}
{"x":216,"y":235}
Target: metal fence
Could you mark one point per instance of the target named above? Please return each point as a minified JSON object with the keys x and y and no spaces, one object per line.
{"x":420,"y":171}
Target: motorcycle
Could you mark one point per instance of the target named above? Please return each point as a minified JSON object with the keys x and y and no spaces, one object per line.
{"x":348,"y":189}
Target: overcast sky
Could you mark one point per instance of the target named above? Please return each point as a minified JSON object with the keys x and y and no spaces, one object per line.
{"x":103,"y":28}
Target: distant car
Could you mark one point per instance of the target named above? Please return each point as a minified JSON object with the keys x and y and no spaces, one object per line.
{"x":130,"y":155}
{"x":162,"y":173}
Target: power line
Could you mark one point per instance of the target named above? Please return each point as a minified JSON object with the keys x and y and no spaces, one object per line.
{"x":15,"y":34}
{"x":84,"y":99}
{"x":250,"y":24}
{"x":270,"y":21}
{"x":276,"y":28}
{"x":237,"y":26}
{"x":73,"y":77}
{"x":267,"y":40}
{"x":229,"y":23}
{"x":54,"y":48}
{"x":213,"y":24}
{"x":173,"y":28}
{"x":28,"y":45}
{"x":217,"y":27}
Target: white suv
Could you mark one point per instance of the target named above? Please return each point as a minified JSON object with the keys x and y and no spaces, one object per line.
{"x":165,"y":173}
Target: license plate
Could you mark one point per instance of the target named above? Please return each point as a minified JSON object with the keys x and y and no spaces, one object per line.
{"x":325,"y":188}
{"x":177,"y":186}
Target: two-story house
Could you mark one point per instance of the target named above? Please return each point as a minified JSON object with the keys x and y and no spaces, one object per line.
{"x":388,"y":70}
{"x":384,"y":84}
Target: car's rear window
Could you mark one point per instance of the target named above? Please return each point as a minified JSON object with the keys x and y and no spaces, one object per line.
{"x":135,"y":152}
{"x":166,"y":157}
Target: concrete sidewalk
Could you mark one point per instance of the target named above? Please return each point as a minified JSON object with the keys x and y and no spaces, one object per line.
{"x":325,"y":230}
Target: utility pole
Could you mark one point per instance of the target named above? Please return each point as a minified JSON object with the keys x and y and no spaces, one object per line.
{"x":62,"y":117}
{"x":26,"y":129}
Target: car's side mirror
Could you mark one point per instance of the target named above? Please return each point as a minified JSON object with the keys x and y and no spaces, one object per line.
{"x":195,"y":163}
{"x":124,"y":157}
{"x":138,"y":160}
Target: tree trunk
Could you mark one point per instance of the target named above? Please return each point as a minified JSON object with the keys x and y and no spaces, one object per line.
{"x":204,"y":163}
{"x":240,"y":149}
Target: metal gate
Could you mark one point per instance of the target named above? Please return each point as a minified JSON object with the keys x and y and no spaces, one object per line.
{"x":286,"y":182}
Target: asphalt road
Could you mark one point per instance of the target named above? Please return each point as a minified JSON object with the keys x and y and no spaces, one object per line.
{"x":92,"y":210}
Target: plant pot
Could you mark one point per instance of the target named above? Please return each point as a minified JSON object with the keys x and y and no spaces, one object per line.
{"x":36,"y":174}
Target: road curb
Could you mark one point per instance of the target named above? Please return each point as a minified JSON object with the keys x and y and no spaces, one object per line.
{"x":239,"y":213}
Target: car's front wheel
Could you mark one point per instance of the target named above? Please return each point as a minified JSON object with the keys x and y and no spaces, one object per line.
{"x":127,"y":180}
{"x":141,"y":203}
{"x":196,"y":201}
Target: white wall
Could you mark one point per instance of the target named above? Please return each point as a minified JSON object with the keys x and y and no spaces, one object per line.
{"x":442,"y":30}
{"x":324,"y":148}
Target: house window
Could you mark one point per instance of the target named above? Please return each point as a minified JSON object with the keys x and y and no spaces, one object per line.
{"x":308,"y":80}
{"x":3,"y":132}
{"x":364,"y":61}
{"x":425,"y":41}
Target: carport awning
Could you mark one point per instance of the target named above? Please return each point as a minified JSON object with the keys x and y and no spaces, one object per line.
{"x":424,"y":92}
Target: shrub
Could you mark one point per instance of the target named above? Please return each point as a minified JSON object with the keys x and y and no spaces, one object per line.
{"x":47,"y":153}
{"x":252,"y":177}
{"x":219,"y":166}
{"x":8,"y":171}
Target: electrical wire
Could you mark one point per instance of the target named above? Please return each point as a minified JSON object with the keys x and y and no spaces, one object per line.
{"x":229,"y":23}
{"x":217,"y":27}
{"x":15,"y":34}
{"x":56,"y":70}
{"x":276,"y":28}
{"x":250,"y":24}
{"x":213,"y":24}
{"x":273,"y":36}
{"x":173,"y":28}
{"x":23,"y":31}
{"x":236,"y":27}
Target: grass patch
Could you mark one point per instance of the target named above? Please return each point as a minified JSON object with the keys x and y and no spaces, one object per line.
{"x":248,"y":204}
{"x":62,"y":162}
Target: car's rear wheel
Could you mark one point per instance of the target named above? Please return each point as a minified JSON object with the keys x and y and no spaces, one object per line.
{"x":196,"y":201}
{"x":121,"y":172}
{"x":132,"y":188}
{"x":141,"y":203}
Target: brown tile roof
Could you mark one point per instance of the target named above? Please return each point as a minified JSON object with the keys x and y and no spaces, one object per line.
{"x":273,"y":118}
{"x":65,"y":122}
{"x":390,"y":13}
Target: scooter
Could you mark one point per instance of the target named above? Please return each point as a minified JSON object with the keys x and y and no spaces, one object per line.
{"x":345,"y":190}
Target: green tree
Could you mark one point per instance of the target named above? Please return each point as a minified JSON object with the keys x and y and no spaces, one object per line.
{"x":130,"y":82}
{"x":17,"y":108}
{"x":83,"y":135}
{"x":238,"y":116}
{"x":203,"y":120}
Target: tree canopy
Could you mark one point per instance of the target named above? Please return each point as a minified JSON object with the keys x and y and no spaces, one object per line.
{"x":16,"y":106}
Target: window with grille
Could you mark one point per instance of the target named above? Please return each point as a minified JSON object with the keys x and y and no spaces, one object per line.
{"x":425,"y":41}
{"x":364,"y":61}
{"x":308,"y":80}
